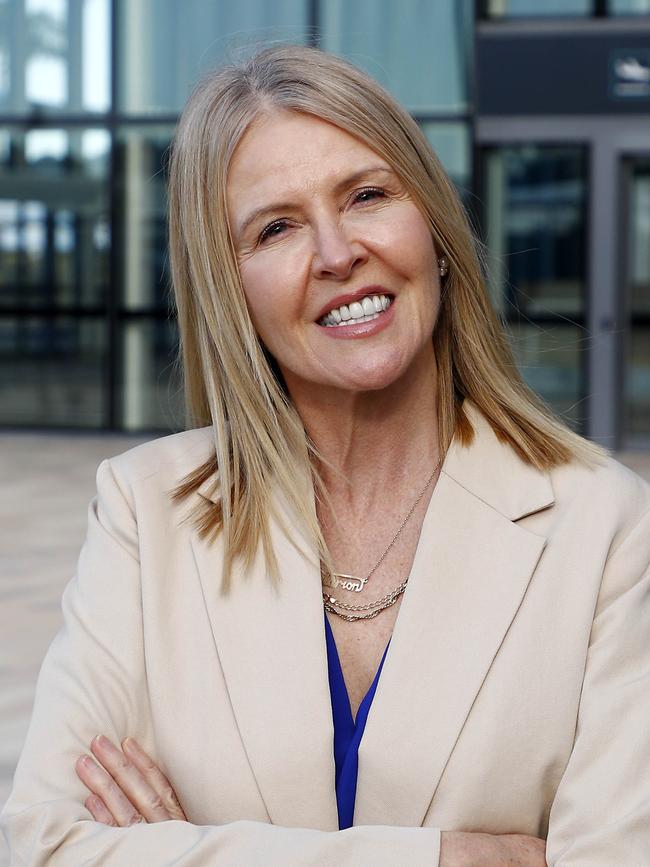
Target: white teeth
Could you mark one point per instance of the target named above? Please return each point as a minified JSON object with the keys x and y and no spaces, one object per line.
{"x":360,"y":311}
{"x":352,"y":321}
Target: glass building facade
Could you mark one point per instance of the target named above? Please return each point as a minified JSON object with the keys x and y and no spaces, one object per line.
{"x":90,"y":91}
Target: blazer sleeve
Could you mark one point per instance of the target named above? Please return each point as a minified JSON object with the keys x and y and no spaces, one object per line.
{"x":93,"y":680}
{"x":601,"y":811}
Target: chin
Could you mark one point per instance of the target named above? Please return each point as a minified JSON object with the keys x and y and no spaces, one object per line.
{"x":375,"y":378}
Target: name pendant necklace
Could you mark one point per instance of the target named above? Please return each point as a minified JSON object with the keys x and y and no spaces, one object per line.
{"x":357,"y":584}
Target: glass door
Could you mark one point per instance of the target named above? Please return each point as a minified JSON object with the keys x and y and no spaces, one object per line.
{"x":636,"y":299}
{"x":535,"y":228}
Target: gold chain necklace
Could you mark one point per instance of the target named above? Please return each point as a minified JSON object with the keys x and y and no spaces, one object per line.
{"x":379,"y":604}
{"x":357,"y":584}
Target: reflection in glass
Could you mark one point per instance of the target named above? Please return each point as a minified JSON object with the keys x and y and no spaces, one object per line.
{"x":95,"y":77}
{"x":418,"y":51}
{"x":5,"y":60}
{"x":46,"y":68}
{"x":54,"y":56}
{"x":54,"y":224}
{"x":531,"y":8}
{"x":637,"y":368}
{"x":549,"y":359}
{"x":536,"y":228}
{"x":451,"y":143}
{"x":143,"y":241}
{"x":150,"y":393}
{"x":52,"y":372}
{"x":629,"y":7}
{"x":46,"y":148}
{"x":534,"y":224}
{"x":165,"y":45}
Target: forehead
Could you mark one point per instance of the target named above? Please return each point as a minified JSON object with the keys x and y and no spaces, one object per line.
{"x":287,"y":150}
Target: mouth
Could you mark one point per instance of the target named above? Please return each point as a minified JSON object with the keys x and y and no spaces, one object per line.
{"x":364,"y":310}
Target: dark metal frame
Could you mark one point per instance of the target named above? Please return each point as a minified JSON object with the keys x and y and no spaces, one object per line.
{"x":625,"y":319}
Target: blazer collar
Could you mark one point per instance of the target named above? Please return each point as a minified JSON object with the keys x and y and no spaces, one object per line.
{"x":471,"y":570}
{"x":492,"y":472}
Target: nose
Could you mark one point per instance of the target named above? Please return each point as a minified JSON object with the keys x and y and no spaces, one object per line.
{"x":336,"y":253}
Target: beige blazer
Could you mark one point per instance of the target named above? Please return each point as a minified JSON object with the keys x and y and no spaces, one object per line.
{"x":515,"y":695}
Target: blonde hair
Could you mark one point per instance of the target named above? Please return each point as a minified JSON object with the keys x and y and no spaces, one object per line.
{"x":230,"y":381}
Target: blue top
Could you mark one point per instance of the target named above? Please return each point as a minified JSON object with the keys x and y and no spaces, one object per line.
{"x":347,"y":732}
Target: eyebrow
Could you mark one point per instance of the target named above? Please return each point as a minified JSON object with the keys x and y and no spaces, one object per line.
{"x":281,"y":206}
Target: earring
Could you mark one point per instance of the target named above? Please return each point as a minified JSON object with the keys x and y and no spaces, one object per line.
{"x":444,"y":266}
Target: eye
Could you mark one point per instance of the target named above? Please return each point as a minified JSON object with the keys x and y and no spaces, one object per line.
{"x":370,"y":192}
{"x":268,"y":231}
{"x":373,"y":192}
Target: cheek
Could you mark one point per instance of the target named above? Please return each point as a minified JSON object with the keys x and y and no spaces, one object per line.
{"x":420,"y":242}
{"x":262,"y":287}
{"x":272,"y":297}
{"x":406,"y":241}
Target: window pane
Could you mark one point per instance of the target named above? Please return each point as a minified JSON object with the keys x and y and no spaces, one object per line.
{"x":150,"y":392}
{"x":550,"y":360}
{"x":418,"y":51}
{"x":54,"y":56}
{"x":528,"y":8}
{"x":165,"y":45}
{"x":54,"y":222}
{"x":629,"y":7}
{"x":535,"y":222}
{"x":52,"y":372}
{"x":451,"y":142}
{"x":142,"y":239}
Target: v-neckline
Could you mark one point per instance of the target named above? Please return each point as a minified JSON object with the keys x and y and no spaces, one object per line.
{"x":366,"y":701}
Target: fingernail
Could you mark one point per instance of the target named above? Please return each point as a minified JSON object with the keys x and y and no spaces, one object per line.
{"x":131,"y":745}
{"x":100,"y":740}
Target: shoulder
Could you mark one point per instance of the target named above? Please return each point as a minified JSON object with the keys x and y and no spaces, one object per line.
{"x":609,"y":484}
{"x":170,"y":456}
{"x":606,"y":497}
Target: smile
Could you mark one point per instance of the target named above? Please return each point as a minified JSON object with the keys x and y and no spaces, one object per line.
{"x":370,"y":307}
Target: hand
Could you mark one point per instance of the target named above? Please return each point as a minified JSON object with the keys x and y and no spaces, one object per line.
{"x":465,"y":849}
{"x":129,"y":788}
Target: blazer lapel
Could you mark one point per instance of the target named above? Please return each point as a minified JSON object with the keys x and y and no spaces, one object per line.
{"x":272,"y":649}
{"x":470,"y":573}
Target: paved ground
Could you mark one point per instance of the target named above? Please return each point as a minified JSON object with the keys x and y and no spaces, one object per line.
{"x":47,"y":483}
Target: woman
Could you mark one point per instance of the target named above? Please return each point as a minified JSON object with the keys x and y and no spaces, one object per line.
{"x":382,"y":583}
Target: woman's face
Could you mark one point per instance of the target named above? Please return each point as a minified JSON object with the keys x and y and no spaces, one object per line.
{"x":324,"y":232}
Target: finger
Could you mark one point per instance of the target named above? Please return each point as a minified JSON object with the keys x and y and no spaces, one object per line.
{"x":129,"y":778}
{"x":155,"y":777}
{"x":100,"y":783}
{"x":99,"y":811}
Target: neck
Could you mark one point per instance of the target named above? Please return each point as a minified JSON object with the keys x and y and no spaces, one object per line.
{"x":374,"y":441}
